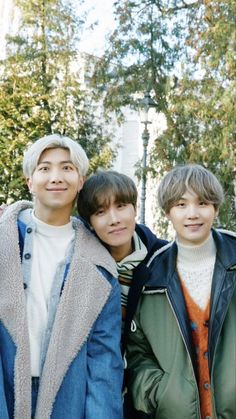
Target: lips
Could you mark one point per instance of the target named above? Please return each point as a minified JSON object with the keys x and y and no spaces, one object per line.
{"x":193,"y":227}
{"x":117,"y":230}
{"x":56,"y":190}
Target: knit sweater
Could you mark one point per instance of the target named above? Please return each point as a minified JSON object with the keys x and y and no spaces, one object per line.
{"x":195,"y":267}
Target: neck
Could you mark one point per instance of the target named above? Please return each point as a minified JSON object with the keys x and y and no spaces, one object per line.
{"x":198,"y":255}
{"x":55,"y":216}
{"x":120,"y":252}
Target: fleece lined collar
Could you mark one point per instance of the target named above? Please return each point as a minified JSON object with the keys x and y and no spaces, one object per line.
{"x":84,"y":295}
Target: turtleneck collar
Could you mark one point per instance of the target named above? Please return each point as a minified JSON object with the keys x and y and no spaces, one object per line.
{"x":196,"y":255}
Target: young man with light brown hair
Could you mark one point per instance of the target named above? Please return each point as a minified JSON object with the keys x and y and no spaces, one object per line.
{"x":181,"y":349}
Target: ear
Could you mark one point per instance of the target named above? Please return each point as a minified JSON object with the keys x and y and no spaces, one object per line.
{"x":167,"y":214}
{"x":81,"y":183}
{"x":29,"y":184}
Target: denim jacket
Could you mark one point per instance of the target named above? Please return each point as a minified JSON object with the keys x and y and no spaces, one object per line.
{"x":82,"y":366}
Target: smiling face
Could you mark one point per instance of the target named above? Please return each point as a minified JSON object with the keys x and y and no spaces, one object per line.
{"x":55,"y":184}
{"x":114,"y":224}
{"x":192,"y":218}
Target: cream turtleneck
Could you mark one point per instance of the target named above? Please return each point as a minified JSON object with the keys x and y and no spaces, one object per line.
{"x":195,"y":265}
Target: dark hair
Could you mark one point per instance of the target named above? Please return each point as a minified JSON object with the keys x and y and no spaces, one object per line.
{"x":100,"y":188}
{"x":189,"y":177}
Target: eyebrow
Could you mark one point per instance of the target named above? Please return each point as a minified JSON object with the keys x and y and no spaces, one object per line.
{"x":61,"y":162}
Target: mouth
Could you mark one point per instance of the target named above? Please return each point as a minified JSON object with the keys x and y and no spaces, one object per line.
{"x":56,"y":190}
{"x":117,"y":231}
{"x":194,"y":227}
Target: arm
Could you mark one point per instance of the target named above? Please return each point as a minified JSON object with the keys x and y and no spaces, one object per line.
{"x":105,"y":364}
{"x":144,"y":372}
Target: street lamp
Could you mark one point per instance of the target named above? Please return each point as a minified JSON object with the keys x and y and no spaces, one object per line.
{"x":145,"y":104}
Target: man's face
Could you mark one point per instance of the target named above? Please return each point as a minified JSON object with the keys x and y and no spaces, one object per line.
{"x":115,"y":225}
{"x":54,"y":183}
{"x":192,"y":218}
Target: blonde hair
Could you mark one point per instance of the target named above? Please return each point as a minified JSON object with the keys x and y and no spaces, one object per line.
{"x":33,"y":153}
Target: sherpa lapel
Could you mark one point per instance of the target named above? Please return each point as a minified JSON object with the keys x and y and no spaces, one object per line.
{"x":12,"y":307}
{"x":84,"y":295}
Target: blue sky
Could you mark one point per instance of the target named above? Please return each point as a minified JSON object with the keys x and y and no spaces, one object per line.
{"x":92,"y":42}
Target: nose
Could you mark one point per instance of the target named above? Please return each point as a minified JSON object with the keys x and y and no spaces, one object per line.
{"x":56,"y":176}
{"x":114,"y":217}
{"x":193,"y":211}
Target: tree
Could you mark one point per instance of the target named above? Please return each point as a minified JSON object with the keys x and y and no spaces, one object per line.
{"x":182,"y":52}
{"x":41,"y":91}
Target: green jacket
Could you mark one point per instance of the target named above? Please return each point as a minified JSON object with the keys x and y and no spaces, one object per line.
{"x":160,"y":354}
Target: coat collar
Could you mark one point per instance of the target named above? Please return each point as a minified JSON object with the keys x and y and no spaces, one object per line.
{"x":165,"y":261}
{"x":226,"y":247}
{"x":85,"y":293}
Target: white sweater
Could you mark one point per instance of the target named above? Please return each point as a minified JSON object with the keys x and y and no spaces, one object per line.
{"x":195,"y":265}
{"x":50,"y":244}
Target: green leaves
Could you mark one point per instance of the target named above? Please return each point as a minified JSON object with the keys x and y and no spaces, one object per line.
{"x":184,"y":52}
{"x":41,"y":91}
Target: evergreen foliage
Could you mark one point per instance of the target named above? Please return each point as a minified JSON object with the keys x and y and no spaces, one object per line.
{"x":42,"y":91}
{"x":183,"y":53}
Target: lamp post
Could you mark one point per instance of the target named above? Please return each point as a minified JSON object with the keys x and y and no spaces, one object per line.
{"x":145,"y":104}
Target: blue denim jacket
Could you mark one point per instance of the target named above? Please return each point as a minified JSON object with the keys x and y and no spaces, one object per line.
{"x":82,"y":367}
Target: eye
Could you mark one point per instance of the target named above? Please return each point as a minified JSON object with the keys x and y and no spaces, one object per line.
{"x":180,"y":204}
{"x":121,"y":204}
{"x":68,"y":168}
{"x":203,"y":203}
{"x":100,"y":211}
{"x":43,"y":168}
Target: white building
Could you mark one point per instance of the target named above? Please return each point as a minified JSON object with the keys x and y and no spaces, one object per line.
{"x":127,"y":137}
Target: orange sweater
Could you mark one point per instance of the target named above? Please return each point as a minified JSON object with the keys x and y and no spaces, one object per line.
{"x":199,"y":326}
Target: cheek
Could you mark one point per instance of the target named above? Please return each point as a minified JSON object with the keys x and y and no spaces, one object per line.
{"x":97,"y":225}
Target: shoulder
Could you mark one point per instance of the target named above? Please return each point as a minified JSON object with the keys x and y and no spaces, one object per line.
{"x":228,"y":234}
{"x":11,"y":213}
{"x":14,"y":216}
{"x":162,"y":253}
{"x":225,"y":241}
{"x":90,"y":248}
{"x":224,"y":237}
{"x":148,"y":237}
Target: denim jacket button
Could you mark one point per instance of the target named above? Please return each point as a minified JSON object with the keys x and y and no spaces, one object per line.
{"x":29,"y":230}
{"x":27,"y":256}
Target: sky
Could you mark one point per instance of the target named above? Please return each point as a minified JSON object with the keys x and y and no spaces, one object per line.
{"x":101,"y":10}
{"x":92,"y":42}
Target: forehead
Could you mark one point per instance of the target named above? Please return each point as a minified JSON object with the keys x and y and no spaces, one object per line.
{"x":54,"y":155}
{"x":106,"y":199}
{"x":190,"y":194}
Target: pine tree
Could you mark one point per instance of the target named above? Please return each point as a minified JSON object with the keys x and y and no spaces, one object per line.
{"x":182,"y":52}
{"x":42,"y":91}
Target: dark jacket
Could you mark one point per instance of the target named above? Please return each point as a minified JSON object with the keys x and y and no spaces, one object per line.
{"x":141,"y":275}
{"x":162,"y":367}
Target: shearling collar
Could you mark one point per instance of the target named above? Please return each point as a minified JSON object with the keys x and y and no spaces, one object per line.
{"x":84,"y":295}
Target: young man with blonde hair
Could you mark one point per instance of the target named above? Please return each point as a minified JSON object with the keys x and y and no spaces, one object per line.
{"x":60,"y":314}
{"x":181,"y":349}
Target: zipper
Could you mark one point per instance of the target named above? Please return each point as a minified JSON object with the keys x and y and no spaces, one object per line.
{"x":173,"y":311}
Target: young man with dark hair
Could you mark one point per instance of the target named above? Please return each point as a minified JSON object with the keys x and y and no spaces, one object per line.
{"x":107,"y":203}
